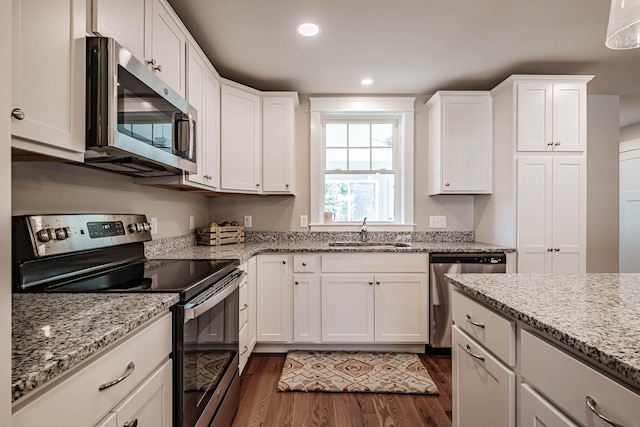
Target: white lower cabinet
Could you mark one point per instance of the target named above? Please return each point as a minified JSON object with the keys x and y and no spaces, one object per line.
{"x":274,"y":299}
{"x":375,"y":298}
{"x":306,"y":308}
{"x":483,"y":387}
{"x":151,"y":403}
{"x":145,"y":392}
{"x":571,"y":386}
{"x":536,"y":411}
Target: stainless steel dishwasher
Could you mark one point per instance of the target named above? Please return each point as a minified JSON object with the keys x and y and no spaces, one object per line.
{"x":440,"y":300}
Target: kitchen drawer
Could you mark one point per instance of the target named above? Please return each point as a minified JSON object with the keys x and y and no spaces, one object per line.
{"x":244,"y":347}
{"x":536,"y":411}
{"x":495,"y":332}
{"x":567,"y":382}
{"x":244,"y":303}
{"x":484,"y":389}
{"x":374,"y":263}
{"x":77,"y":400}
{"x":305,"y":263}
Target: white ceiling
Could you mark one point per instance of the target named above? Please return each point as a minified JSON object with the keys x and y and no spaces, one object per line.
{"x":411,"y":46}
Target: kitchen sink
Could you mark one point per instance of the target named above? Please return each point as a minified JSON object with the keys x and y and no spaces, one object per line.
{"x":371,"y":244}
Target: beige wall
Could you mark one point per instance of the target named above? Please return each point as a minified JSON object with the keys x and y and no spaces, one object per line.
{"x":603,"y":135}
{"x":65,"y":188}
{"x":281,"y":213}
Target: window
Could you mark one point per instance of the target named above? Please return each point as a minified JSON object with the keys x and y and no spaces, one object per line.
{"x":360,"y":169}
{"x":362,"y":162}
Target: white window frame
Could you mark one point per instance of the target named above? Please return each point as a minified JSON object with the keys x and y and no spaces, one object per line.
{"x":401,"y":109}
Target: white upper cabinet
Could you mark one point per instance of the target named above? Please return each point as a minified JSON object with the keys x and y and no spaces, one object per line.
{"x":241,"y":138}
{"x":151,"y":31}
{"x":203,"y":93}
{"x":460,"y":141}
{"x":48,"y":75}
{"x":551,"y":116}
{"x":278,"y":142}
{"x":167,"y":55}
{"x":127,"y":21}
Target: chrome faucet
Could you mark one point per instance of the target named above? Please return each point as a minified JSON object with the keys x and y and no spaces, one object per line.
{"x":363,"y":231}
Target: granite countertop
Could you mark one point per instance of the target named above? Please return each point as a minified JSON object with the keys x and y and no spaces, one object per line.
{"x":244,"y":251}
{"x":52,"y":333}
{"x":597,"y":315}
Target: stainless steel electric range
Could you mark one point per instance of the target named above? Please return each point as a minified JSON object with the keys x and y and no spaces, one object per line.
{"x":105,"y":253}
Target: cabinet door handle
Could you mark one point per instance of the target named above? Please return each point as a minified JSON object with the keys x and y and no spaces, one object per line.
{"x":468,"y":350}
{"x":557,"y":249}
{"x":296,"y":282}
{"x":447,"y":184}
{"x":130,"y":367}
{"x":556,"y":143}
{"x":550,"y":143}
{"x":132,"y":423}
{"x":468,"y":319}
{"x":284,"y":262}
{"x":304,"y":264}
{"x":286,"y":185}
{"x":244,"y":350}
{"x":591,"y":404}
{"x":549,"y":249}
{"x":244,"y":307}
{"x":370,"y":283}
{"x":377,"y":282}
{"x":17,"y":114}
{"x":257,"y":185}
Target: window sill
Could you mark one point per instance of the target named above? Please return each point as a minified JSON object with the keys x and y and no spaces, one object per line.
{"x":358,"y":227}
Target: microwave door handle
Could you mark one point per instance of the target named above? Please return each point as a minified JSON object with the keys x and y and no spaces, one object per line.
{"x":183,"y":131}
{"x":194,"y":312}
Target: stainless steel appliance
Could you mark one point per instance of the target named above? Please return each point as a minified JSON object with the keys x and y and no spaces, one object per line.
{"x":105,"y":253}
{"x":136,"y":124}
{"x":440,"y":299}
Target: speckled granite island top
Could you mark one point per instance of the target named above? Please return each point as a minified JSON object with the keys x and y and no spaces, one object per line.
{"x":598,"y":315}
{"x":52,"y":333}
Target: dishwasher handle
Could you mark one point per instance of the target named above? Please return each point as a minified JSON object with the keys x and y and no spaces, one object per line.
{"x":469,"y":258}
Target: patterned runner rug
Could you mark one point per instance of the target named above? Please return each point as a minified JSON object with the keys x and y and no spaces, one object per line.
{"x":355,"y":371}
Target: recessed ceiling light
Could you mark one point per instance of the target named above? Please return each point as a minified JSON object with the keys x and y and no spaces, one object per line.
{"x":366,"y":82}
{"x":308,"y":29}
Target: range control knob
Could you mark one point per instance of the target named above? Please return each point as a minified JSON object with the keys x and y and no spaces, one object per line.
{"x":45,"y":234}
{"x":133,"y":228}
{"x":61,"y":234}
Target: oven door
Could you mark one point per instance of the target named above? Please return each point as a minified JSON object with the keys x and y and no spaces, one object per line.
{"x":206,"y":357}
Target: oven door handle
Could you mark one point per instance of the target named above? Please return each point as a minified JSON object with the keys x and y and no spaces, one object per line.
{"x":203,"y":307}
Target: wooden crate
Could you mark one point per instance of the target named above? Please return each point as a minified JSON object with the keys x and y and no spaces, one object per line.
{"x":217,"y":236}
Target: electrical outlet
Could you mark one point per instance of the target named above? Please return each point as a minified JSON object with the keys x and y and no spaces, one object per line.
{"x":438,"y":221}
{"x":154,"y":226}
{"x":192,"y":222}
{"x":304,"y":221}
{"x":248,"y":220}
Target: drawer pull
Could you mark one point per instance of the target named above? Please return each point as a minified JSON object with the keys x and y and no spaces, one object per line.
{"x":591,"y":404}
{"x":244,"y":350}
{"x":132,"y":423}
{"x":244,"y":307}
{"x":468,"y":319}
{"x":468,"y":350}
{"x":304,"y":264}
{"x":130,"y":367}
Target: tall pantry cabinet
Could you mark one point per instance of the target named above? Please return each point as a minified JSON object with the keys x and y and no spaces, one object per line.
{"x":538,"y":204}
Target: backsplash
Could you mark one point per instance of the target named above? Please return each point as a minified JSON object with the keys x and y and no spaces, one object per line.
{"x":171,"y":244}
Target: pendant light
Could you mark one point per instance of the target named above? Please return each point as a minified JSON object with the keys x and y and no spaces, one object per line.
{"x":623,"y":31}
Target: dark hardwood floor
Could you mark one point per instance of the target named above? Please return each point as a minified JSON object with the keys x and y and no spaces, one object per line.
{"x":262,"y":405}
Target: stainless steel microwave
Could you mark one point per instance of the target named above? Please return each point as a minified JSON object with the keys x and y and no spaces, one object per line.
{"x":136,"y":124}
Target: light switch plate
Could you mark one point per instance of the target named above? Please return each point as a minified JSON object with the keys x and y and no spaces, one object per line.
{"x":154,"y":226}
{"x":438,"y":221}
